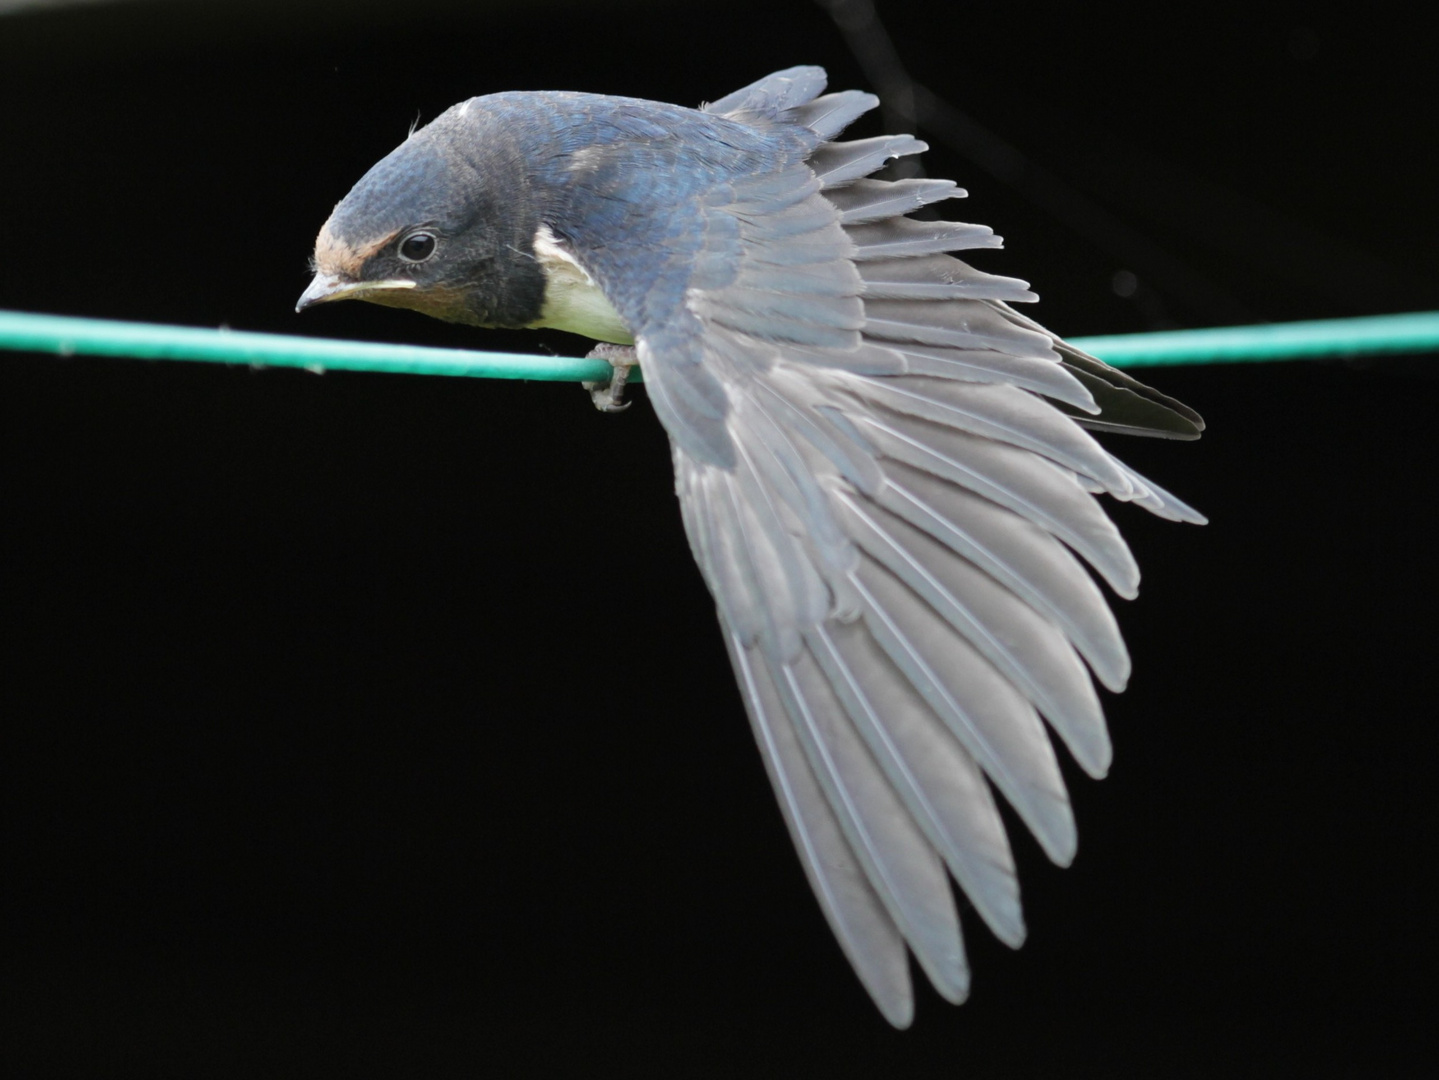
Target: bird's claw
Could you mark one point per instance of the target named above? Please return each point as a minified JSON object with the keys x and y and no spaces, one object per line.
{"x":609,"y":396}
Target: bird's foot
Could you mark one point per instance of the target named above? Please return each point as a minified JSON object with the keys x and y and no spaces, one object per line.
{"x":609,"y":396}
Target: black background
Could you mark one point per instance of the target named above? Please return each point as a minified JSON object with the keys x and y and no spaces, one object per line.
{"x":379,"y":725}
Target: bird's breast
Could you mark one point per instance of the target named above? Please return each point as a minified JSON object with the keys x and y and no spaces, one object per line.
{"x":573,"y":301}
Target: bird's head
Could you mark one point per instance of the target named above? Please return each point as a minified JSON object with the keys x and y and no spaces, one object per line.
{"x":441,"y":225}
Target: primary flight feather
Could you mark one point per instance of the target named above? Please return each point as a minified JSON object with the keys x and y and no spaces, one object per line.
{"x":882,"y":467}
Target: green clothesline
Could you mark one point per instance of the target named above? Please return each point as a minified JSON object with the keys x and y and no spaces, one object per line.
{"x":23,"y":332}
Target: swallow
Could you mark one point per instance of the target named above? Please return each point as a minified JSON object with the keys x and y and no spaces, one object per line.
{"x":886,"y":472}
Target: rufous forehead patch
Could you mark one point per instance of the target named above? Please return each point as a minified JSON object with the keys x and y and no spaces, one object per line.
{"x":343,"y":259}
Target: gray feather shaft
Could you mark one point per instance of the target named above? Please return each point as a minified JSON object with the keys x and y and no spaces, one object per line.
{"x":1024,"y":647}
{"x":829,"y":115}
{"x":1020,"y":556}
{"x":998,"y":727}
{"x":901,"y":237}
{"x":938,"y":780}
{"x":855,"y":913}
{"x":1024,"y":483}
{"x":1005,"y":413}
{"x":839,"y":163}
{"x":906,"y":872}
{"x":1041,"y":375}
{"x":874,"y":200}
{"x":937,"y":277}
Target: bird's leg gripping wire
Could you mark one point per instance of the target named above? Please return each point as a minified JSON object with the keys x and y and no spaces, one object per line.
{"x":609,"y":396}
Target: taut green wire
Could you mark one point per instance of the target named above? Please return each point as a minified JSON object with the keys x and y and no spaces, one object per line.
{"x":1369,"y":334}
{"x":25,"y":332}
{"x":156,"y":341}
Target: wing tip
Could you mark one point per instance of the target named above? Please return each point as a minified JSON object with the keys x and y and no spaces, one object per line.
{"x":893,"y":999}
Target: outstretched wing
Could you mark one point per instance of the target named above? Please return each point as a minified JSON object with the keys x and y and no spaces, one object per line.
{"x":886,"y":484}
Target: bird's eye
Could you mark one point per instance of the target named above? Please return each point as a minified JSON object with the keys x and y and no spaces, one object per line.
{"x":417,"y":247}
